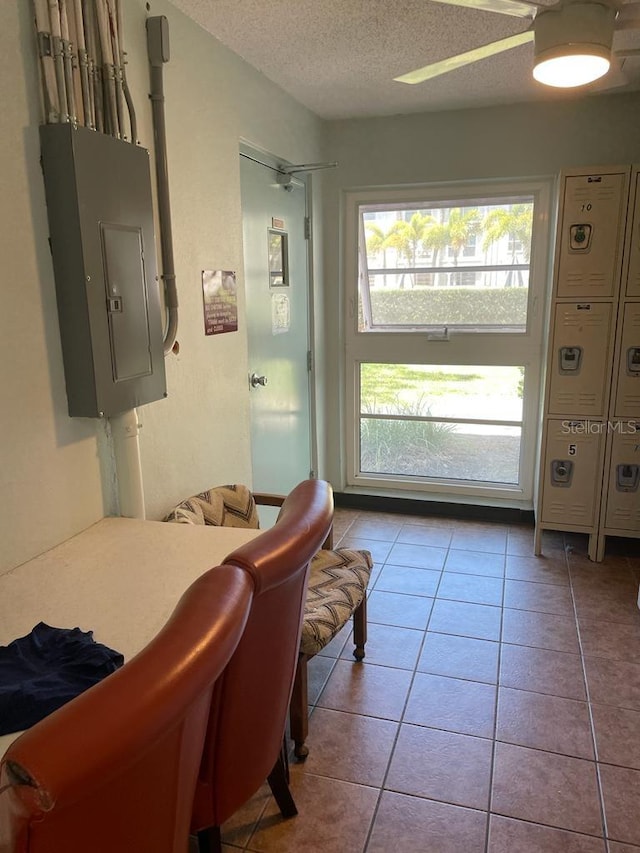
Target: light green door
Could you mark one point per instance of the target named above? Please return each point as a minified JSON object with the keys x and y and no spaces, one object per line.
{"x":277,"y":295}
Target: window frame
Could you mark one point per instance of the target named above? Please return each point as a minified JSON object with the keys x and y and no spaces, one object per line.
{"x":436,"y":345}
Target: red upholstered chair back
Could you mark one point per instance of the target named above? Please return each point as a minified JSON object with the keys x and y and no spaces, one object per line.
{"x":115,"y":769}
{"x":250,"y":707}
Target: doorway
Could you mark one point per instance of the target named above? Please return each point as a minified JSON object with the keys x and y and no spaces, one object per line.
{"x":276,"y":265}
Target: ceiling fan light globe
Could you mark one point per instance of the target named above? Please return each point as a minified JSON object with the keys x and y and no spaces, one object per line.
{"x":567,"y":70}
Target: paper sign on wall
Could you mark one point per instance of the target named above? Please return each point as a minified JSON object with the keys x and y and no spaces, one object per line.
{"x":220,"y":301}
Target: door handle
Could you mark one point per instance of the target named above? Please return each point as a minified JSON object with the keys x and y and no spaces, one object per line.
{"x":255,"y":380}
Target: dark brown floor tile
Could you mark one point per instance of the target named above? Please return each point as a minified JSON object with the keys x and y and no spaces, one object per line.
{"x":613,"y":682}
{"x":393,"y":608}
{"x":487,"y":539}
{"x":468,"y":620}
{"x":238,"y":829}
{"x":542,"y":630}
{"x":379,"y":550}
{"x":621,"y":795}
{"x":613,"y":640}
{"x":544,"y":722}
{"x":349,"y":747}
{"x":318,"y":671}
{"x":386,"y":529}
{"x":542,"y":671}
{"x":520,"y":540}
{"x":418,"y":556}
{"x":334,"y":817}
{"x":542,"y":597}
{"x":543,"y":787}
{"x":538,"y":569}
{"x":460,"y":657}
{"x":338,"y":644}
{"x":614,"y":602}
{"x":473,"y":588}
{"x":413,"y":534}
{"x":617,"y":732}
{"x":507,"y":835}
{"x":390,"y":646}
{"x":616,"y":847}
{"x":452,"y":704}
{"x":440,"y":765}
{"x":410,"y":824}
{"x":375,"y":691}
{"x":475,"y":563}
{"x":408,"y":580}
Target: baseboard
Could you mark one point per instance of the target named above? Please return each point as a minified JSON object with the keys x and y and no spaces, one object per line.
{"x":408,"y":506}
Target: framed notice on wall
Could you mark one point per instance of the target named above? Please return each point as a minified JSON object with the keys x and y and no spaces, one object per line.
{"x":220,"y":301}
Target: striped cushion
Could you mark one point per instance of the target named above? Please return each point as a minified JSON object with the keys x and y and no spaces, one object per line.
{"x":337,"y":584}
{"x":222,"y":506}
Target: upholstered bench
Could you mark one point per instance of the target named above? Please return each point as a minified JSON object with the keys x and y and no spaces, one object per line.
{"x":336,"y":591}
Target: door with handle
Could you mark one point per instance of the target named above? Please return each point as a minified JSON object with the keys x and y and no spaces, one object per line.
{"x":277,"y":296}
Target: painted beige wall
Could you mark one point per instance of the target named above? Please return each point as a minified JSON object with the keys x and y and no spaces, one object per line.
{"x":522,"y":140}
{"x":56,"y":473}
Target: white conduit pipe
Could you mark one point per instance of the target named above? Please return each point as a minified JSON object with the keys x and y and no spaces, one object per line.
{"x":83,"y":63}
{"x":67,"y":61}
{"x":108,"y":70}
{"x":125,"y":86}
{"x":117,"y":70}
{"x":48,"y":73}
{"x":58,"y":58}
{"x":125,"y":431}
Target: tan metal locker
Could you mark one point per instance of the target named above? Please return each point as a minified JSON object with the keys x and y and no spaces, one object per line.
{"x":590,"y":238}
{"x":633,"y":273}
{"x":623,"y":487}
{"x":571,"y":462}
{"x":580,"y":355}
{"x":627,"y":402}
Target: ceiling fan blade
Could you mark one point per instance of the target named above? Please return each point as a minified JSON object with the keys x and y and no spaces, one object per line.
{"x":628,"y":17}
{"x":518,"y":8}
{"x":446,"y":65}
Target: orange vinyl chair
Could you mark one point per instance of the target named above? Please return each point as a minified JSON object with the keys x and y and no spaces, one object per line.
{"x":336,"y":589}
{"x":115,"y":769}
{"x":244,"y":744}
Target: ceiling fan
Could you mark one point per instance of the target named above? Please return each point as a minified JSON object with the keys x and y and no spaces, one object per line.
{"x":572,"y":39}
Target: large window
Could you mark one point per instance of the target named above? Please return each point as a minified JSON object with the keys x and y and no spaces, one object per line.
{"x":445,"y":291}
{"x":447,"y":264}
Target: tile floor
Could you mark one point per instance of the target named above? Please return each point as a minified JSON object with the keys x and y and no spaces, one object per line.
{"x":497,"y":709}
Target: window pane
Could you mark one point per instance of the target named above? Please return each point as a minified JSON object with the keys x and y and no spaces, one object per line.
{"x":459,"y":422}
{"x":481,"y":453}
{"x":446,"y":266}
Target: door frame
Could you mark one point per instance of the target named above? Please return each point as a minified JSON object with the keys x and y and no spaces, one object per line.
{"x":279,"y":166}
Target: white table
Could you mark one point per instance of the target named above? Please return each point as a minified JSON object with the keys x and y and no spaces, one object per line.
{"x":120,"y":578}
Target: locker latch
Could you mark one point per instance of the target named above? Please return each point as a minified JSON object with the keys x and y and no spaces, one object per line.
{"x":561,"y":472}
{"x":627,"y":477}
{"x":114,"y":305}
{"x":580,"y":237}
{"x":570,"y":359}
{"x":633,"y":361}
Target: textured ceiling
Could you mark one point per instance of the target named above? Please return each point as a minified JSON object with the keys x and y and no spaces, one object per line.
{"x":339,"y":57}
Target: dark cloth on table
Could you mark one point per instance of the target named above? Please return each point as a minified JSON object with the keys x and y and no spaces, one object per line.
{"x":42,"y":671}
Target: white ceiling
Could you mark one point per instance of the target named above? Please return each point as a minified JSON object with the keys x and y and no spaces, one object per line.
{"x":339,"y":57}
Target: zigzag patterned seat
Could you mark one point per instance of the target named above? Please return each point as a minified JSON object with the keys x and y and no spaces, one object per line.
{"x":336,"y":591}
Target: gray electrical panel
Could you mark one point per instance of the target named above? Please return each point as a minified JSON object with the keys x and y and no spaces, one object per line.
{"x":99,"y":205}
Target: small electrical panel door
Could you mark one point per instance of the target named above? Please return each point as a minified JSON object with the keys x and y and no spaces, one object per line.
{"x":99,"y":205}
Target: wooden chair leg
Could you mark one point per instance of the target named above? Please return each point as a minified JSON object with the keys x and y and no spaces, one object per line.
{"x":210,"y":840}
{"x":299,"y":710}
{"x":279,"y":783}
{"x":360,"y":628}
